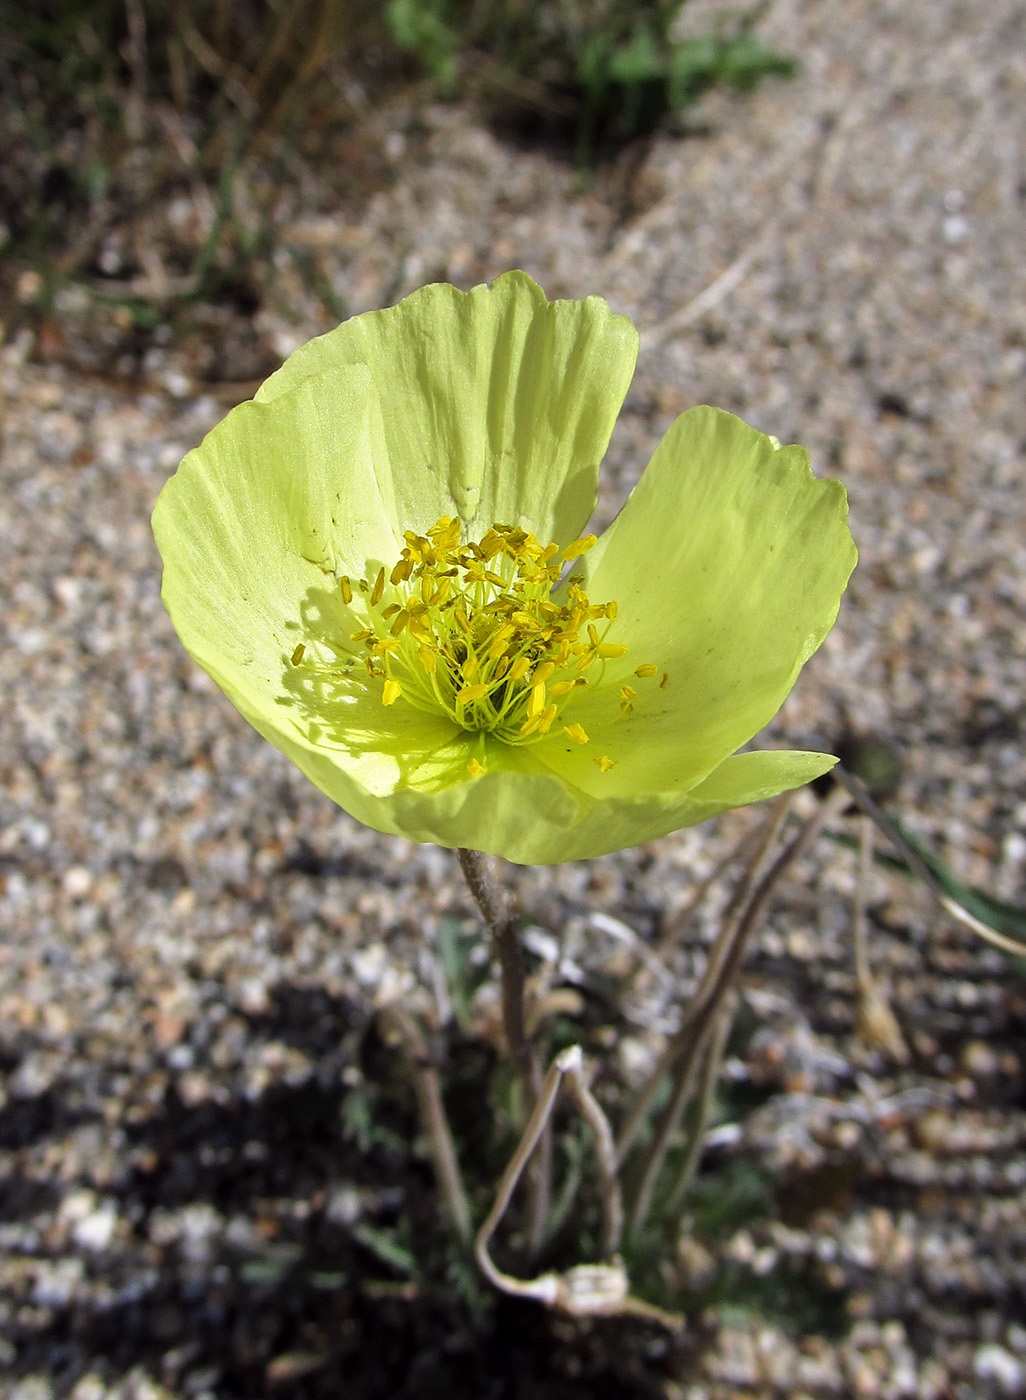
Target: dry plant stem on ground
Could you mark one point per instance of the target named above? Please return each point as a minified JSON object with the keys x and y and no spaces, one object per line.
{"x":725,"y":964}
{"x":436,"y":1124}
{"x":745,"y":853}
{"x":693,"y":1058}
{"x":753,"y":853}
{"x":498,"y":918}
{"x":877,"y":1023}
{"x":711,"y":1066}
{"x":534,"y":1130}
{"x":918,"y":866}
{"x":863,"y":975}
{"x":587,"y":1290}
{"x":605,"y":1152}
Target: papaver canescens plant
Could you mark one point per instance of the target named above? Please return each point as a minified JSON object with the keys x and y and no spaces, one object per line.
{"x":381,"y":561}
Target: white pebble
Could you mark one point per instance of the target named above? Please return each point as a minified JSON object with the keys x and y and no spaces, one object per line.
{"x":994,"y":1363}
{"x":96,"y":1230}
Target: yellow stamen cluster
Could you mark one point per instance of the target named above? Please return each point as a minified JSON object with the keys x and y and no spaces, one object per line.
{"x":473,"y":629}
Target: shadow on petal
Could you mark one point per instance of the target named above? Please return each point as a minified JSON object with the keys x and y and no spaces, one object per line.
{"x":336,"y":705}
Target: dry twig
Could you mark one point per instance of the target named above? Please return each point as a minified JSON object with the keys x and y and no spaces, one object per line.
{"x":703,"y":1010}
{"x":433,"y":1116}
{"x":754,"y":854}
{"x":588,"y":1290}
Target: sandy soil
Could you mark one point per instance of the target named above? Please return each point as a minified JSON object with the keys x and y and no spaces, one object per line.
{"x":194,"y":938}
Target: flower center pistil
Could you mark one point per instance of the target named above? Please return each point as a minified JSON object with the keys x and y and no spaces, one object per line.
{"x":472,"y":629}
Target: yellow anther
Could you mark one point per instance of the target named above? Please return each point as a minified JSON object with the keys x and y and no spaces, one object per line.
{"x":475,"y":769}
{"x":645,"y":671}
{"x":498,"y":643}
{"x":605,"y":763}
{"x":627,"y":692}
{"x":297,"y":655}
{"x":473,"y":630}
{"x":347,"y":590}
{"x":579,"y":547}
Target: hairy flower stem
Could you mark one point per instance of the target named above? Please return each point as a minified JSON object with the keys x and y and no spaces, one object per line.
{"x":499,"y":922}
{"x":700,"y":1018}
{"x":496,"y":913}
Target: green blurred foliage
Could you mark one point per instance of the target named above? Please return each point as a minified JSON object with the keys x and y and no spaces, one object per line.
{"x":602,"y":71}
{"x":108,"y":104}
{"x":115,"y":112}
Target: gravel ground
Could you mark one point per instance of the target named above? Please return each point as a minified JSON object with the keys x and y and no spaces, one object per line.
{"x":194,"y":938}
